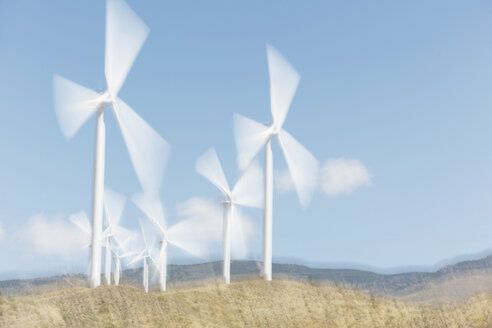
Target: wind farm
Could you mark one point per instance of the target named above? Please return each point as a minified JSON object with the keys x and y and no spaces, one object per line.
{"x":377,"y":213}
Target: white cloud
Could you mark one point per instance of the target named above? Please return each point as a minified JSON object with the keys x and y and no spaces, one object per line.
{"x":343,"y":176}
{"x":1,"y":231}
{"x":54,"y":236}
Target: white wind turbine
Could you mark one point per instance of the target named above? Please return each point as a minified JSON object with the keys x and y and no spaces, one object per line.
{"x":145,"y":252}
{"x":115,"y":236}
{"x":246,"y":192}
{"x":191,"y":236}
{"x":251,"y":136}
{"x":81,"y":221}
{"x":74,"y":104}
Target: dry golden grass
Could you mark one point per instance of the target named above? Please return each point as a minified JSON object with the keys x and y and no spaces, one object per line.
{"x":244,"y":304}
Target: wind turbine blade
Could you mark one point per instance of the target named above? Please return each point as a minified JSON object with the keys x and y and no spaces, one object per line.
{"x":303,"y":167}
{"x":283,"y":84}
{"x":122,"y":237}
{"x":249,"y":190}
{"x":74,"y":104}
{"x":142,"y":231}
{"x":81,"y":220}
{"x":148,"y":150}
{"x":114,"y":204}
{"x":250,"y":136}
{"x":151,"y":206}
{"x":209,"y":166}
{"x":136,"y":258}
{"x":125,"y":35}
{"x":132,"y":243}
{"x":192,"y":236}
{"x":148,"y":234}
{"x":106,"y":234}
{"x":201,"y":226}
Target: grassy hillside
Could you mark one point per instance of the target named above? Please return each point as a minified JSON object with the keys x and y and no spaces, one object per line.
{"x":450,"y":284}
{"x":249,"y":303}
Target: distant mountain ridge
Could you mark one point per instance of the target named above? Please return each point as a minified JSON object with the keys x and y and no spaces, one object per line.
{"x":473,"y":276}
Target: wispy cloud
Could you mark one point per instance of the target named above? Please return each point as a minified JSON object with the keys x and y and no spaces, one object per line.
{"x":343,"y":176}
{"x":337,"y":176}
{"x":1,"y":231}
{"x":53,"y":236}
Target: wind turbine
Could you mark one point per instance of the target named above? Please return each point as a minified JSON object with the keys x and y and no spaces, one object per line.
{"x":251,"y":136}
{"x":74,"y":104}
{"x":246,"y":192}
{"x":145,"y":253}
{"x":189,"y":235}
{"x":81,"y":221}
{"x":116,"y":237}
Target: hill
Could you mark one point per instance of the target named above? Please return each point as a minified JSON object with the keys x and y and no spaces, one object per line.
{"x":451,"y":283}
{"x":253,"y":303}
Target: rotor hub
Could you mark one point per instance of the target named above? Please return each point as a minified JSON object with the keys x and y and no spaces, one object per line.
{"x":274,"y":130}
{"x":107,"y":99}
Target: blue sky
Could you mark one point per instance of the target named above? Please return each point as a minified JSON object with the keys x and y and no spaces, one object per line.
{"x":403,"y":87}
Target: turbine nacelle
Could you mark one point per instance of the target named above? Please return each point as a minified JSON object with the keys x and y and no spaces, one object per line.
{"x":107,"y":100}
{"x":274,"y":130}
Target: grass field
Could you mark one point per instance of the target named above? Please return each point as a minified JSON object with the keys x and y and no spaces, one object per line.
{"x":244,"y":304}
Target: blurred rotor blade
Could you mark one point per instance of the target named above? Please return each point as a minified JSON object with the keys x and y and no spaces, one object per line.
{"x":242,"y":230}
{"x":201,"y":226}
{"x":74,"y":104}
{"x":114,"y":204}
{"x":249,"y":190}
{"x":144,"y":238}
{"x":156,"y":264}
{"x":303,"y":166}
{"x":125,"y":35}
{"x":283,"y":84}
{"x":137,"y":258}
{"x":209,"y":166}
{"x":123,"y":237}
{"x":106,"y":234}
{"x":149,"y":235}
{"x":81,"y":220}
{"x":132,"y":246}
{"x":250,"y":137}
{"x":151,"y":206}
{"x":148,"y":150}
{"x":192,"y":236}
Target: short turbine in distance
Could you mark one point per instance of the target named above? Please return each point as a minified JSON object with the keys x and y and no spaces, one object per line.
{"x":81,"y":221}
{"x":115,"y":236}
{"x":251,"y":136}
{"x":246,"y":192}
{"x":145,"y":252}
{"x":189,"y":235}
{"x":74,"y":104}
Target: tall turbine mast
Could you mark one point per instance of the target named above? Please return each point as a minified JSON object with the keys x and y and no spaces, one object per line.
{"x":251,"y":136}
{"x":74,"y":104}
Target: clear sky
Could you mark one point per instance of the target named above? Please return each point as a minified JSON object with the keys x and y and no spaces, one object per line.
{"x":404,"y":87}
